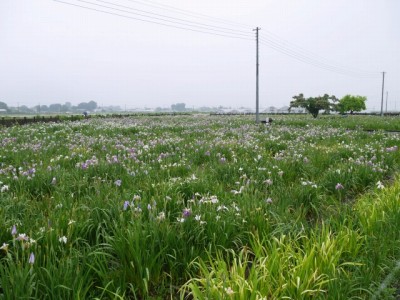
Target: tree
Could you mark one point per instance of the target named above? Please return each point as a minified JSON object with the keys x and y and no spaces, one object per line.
{"x":91,"y":105}
{"x":82,"y":106}
{"x":25,"y":109}
{"x":3,"y":106}
{"x":351,"y":103}
{"x":56,"y":107}
{"x":64,"y":108}
{"x":314,"y":104}
{"x":178,"y":107}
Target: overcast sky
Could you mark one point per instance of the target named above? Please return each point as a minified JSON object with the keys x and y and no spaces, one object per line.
{"x":52,"y":52}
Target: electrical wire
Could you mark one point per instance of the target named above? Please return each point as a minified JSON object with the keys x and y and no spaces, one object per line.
{"x":315,"y":57}
{"x":318,"y":60}
{"x":314,"y":62}
{"x":246,"y":33}
{"x":275,"y":43}
{"x":156,"y":22}
{"x":190,"y":13}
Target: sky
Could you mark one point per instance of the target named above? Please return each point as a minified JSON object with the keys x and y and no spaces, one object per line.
{"x":54,"y":52}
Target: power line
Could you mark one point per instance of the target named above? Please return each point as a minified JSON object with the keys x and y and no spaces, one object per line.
{"x":184,"y":24}
{"x":285,"y":44}
{"x":156,"y":22}
{"x":314,"y":62}
{"x":190,"y":13}
{"x":291,"y":46}
{"x":165,"y":20}
{"x":319,"y":60}
{"x":220,"y":31}
{"x":247,"y":33}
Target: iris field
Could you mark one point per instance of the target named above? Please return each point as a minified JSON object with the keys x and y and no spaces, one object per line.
{"x":201,"y":207}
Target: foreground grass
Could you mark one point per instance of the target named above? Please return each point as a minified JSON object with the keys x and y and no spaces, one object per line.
{"x":334,"y":260}
{"x":161,"y":208}
{"x":352,"y":122}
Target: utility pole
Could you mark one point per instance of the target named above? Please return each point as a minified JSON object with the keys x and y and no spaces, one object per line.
{"x":387,"y":95}
{"x":257,"y":65}
{"x":383,"y":88}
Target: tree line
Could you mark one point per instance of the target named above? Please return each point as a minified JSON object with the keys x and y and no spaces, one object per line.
{"x":52,"y":108}
{"x":328,"y":103}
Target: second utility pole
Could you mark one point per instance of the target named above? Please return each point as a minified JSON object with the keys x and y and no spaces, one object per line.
{"x":257,"y":64}
{"x":383,"y":89}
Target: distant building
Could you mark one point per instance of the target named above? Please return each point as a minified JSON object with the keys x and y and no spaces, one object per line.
{"x":298,"y":110}
{"x":283,"y":110}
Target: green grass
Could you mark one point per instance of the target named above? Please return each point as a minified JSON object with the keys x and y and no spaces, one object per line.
{"x":200,"y":207}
